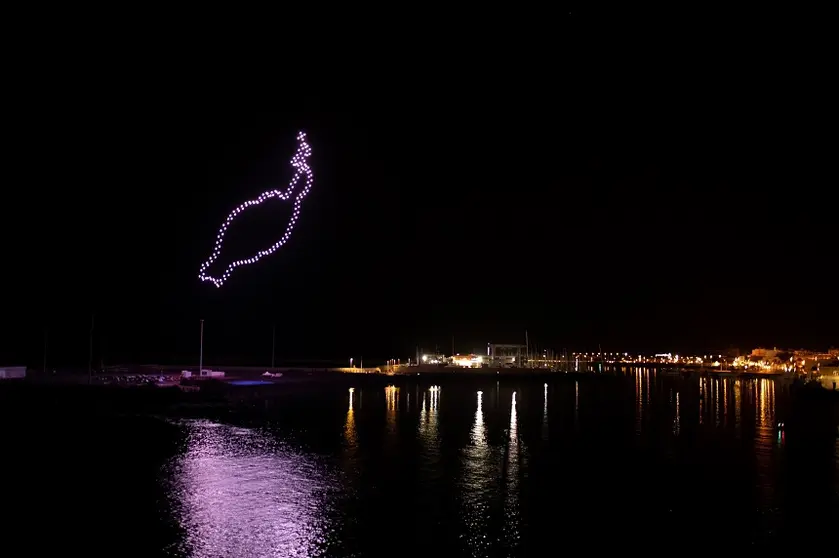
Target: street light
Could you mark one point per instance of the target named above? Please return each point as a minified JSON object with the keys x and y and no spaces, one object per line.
{"x":273,"y":345}
{"x":201,"y":351}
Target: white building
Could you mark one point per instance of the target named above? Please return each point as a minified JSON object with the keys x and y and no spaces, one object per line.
{"x":433,"y":359}
{"x":468,"y":361}
{"x":12,"y":372}
{"x":766,"y":354}
{"x":506,"y":355}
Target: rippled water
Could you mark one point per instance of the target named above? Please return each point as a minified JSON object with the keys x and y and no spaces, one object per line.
{"x":471,"y":468}
{"x":241,"y":492}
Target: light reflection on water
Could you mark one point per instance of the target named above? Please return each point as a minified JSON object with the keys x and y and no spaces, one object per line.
{"x":392,"y":405}
{"x":512,"y":518}
{"x":678,"y":419}
{"x":639,"y":401}
{"x":246,"y":492}
{"x":545,"y":415}
{"x":237,"y":492}
{"x":478,"y":483}
{"x":427,"y":430}
{"x":766,"y":439}
{"x":350,"y":434}
{"x":479,"y":430}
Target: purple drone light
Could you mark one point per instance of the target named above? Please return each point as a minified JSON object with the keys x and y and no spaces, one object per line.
{"x":302,"y":170}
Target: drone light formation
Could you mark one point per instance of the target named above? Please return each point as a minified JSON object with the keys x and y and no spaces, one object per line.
{"x":302,"y":171}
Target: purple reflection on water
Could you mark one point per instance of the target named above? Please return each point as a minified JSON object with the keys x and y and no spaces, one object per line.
{"x":237,"y":492}
{"x":250,"y":383}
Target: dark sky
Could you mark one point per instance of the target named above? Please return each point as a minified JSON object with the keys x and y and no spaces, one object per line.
{"x":591,"y":194}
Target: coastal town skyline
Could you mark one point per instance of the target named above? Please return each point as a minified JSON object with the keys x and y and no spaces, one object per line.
{"x":460,"y":291}
{"x":97,"y":353}
{"x":659,"y":236}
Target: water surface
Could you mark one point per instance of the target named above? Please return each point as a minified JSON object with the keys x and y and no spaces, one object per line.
{"x":466,"y":468}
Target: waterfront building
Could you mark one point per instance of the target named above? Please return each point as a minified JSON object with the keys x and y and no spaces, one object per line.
{"x":765,"y":354}
{"x":433,"y":358}
{"x":506,"y":355}
{"x":468,"y":361}
{"x":12,"y":372}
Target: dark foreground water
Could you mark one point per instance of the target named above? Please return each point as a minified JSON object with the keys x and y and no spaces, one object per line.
{"x":474,"y":468}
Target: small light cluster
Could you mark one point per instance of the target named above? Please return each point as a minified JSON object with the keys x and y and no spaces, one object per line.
{"x":302,"y":171}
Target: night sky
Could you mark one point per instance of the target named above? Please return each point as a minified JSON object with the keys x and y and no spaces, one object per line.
{"x":639,"y":203}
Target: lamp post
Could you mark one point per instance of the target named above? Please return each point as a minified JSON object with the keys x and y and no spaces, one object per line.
{"x":90,"y":355}
{"x":46,"y":338}
{"x":201,"y":351}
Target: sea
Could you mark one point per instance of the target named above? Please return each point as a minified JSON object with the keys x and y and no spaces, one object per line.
{"x":478,"y":467}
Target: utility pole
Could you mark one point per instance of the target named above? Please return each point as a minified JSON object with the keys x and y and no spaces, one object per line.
{"x":90,"y":356}
{"x":527,"y":345}
{"x":201,"y":351}
{"x":273,"y":344}
{"x":46,"y":337}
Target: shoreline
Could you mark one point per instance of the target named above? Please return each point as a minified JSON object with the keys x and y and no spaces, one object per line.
{"x":812,"y":406}
{"x":161,"y":377}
